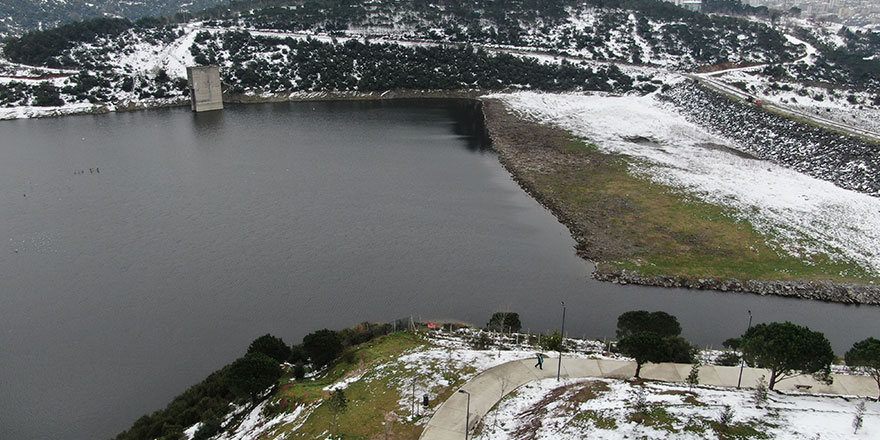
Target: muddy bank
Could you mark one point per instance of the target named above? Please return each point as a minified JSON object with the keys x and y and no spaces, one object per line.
{"x":528,"y":150}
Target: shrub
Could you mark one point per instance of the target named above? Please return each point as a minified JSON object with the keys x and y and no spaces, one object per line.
{"x":552,"y":342}
{"x":299,"y":371}
{"x":481,"y":342}
{"x":505,"y":321}
{"x":693,"y":377}
{"x":729,"y":359}
{"x":47,"y":95}
{"x":271,"y":346}
{"x":297,"y":354}
{"x":252,"y":374}
{"x":322,"y":346}
{"x":208,"y":429}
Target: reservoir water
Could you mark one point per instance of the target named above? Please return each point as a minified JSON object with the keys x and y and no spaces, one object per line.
{"x":141,"y":251}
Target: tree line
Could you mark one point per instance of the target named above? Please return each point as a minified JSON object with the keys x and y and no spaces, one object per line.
{"x":784,"y":348}
{"x":312,"y":65}
{"x":707,"y":39}
{"x":246,"y":379}
{"x":40,"y":47}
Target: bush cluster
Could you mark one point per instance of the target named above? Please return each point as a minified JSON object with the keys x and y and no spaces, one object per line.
{"x":245,"y":379}
{"x":311,"y":65}
{"x":40,"y":47}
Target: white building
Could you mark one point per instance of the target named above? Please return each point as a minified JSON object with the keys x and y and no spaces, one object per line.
{"x":693,"y":5}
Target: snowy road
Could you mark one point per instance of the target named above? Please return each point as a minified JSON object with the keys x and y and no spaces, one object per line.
{"x":721,"y":87}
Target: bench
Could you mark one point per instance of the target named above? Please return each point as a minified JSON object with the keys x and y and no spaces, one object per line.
{"x":803,"y":387}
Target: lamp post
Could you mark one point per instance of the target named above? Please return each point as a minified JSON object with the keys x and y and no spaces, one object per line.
{"x":561,"y":342}
{"x":467,"y":414}
{"x":742,"y":362}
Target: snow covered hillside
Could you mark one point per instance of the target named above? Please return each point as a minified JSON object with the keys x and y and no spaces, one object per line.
{"x":802,"y":215}
{"x":19,"y":16}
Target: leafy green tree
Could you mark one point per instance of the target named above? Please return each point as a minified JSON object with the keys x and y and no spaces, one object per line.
{"x":677,"y":349}
{"x":297,"y":354}
{"x":732,"y":343}
{"x":644,"y":347}
{"x":640,"y":321}
{"x":322,"y":346}
{"x":787,"y":350}
{"x":253,"y":373}
{"x":505,"y":321}
{"x":271,"y":346}
{"x":652,"y":337}
{"x":865,"y":355}
{"x":647,"y":347}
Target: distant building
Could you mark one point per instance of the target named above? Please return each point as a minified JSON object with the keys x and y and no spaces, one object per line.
{"x":205,"y":93}
{"x":692,"y":5}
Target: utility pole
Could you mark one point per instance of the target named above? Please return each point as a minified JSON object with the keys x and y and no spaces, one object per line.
{"x":467,"y":417}
{"x":742,"y":361}
{"x":561,"y":343}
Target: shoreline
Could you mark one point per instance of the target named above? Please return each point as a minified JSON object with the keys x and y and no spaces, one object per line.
{"x":16,"y":113}
{"x":521,"y":154}
{"x":518,"y":155}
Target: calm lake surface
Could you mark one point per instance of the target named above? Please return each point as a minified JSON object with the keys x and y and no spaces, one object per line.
{"x":199,"y":233}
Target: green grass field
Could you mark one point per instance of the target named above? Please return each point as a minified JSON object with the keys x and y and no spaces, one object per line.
{"x":663,"y":231}
{"x":368,"y":400}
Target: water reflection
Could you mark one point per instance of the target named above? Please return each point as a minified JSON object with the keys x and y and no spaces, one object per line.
{"x":208,"y":122}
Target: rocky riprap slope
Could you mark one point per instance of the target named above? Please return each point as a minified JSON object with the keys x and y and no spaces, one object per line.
{"x":846,"y":161}
{"x":829,"y":291}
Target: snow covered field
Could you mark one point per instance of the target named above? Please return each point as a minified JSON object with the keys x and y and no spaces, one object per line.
{"x":576,"y":408}
{"x":608,"y":410}
{"x":801,"y":215}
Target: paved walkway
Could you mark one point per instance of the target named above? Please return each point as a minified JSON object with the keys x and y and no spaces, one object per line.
{"x":490,"y":386}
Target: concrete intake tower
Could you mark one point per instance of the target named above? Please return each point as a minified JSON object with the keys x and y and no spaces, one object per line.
{"x":205,"y":93}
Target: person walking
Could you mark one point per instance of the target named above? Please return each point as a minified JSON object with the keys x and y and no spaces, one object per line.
{"x":540,"y":363}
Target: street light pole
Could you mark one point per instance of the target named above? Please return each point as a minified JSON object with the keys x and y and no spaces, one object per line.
{"x":742,"y":362}
{"x":467,"y":416}
{"x":561,"y":342}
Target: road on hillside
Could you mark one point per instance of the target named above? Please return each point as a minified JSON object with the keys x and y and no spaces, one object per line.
{"x":721,"y":87}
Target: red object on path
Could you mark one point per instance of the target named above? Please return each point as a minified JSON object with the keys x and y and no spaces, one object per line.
{"x":431,"y":325}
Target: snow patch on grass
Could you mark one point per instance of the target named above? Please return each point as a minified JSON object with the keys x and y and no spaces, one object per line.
{"x":671,"y":412}
{"x":802,"y":215}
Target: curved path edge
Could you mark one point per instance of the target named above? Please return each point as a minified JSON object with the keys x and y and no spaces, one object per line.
{"x":491,"y":385}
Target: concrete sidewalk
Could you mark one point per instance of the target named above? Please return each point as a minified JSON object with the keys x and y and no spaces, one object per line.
{"x":490,"y":386}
